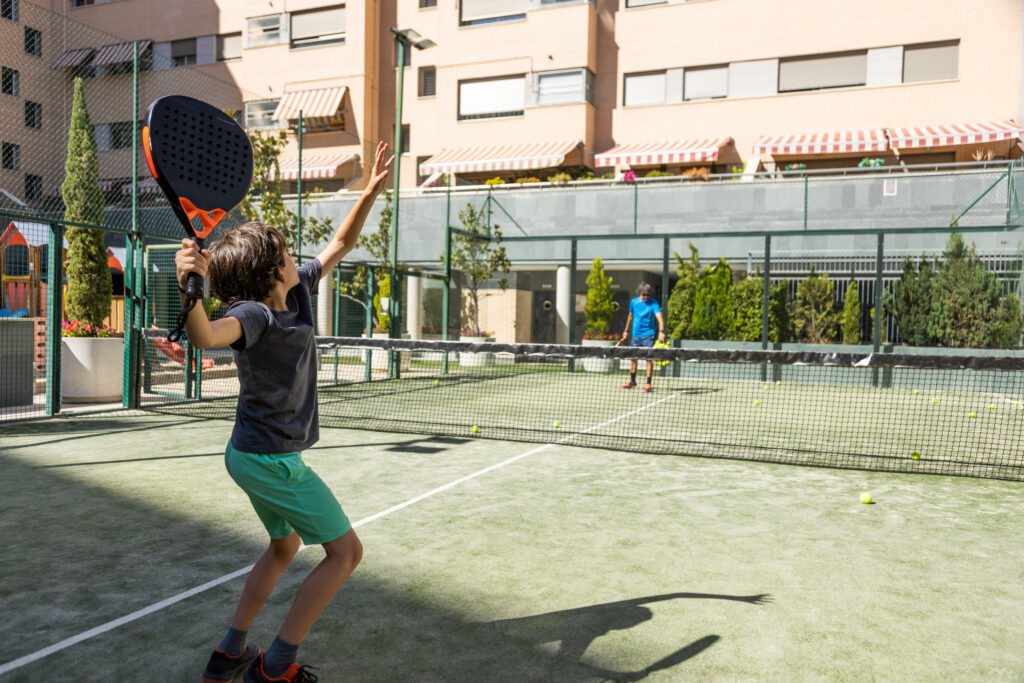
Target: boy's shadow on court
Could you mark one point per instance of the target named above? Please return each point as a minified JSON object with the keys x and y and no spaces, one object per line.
{"x":575,"y":630}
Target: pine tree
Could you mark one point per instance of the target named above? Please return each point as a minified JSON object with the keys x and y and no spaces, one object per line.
{"x":910,"y":302}
{"x":680,"y":301}
{"x":966,"y":301}
{"x":851,"y":315}
{"x":600,"y":307}
{"x":713,"y":310}
{"x":89,"y":282}
{"x":816,"y":318}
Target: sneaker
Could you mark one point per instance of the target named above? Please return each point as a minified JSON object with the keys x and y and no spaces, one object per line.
{"x":293,"y":674}
{"x":648,"y":388}
{"x":225,"y":667}
{"x":629,"y":385}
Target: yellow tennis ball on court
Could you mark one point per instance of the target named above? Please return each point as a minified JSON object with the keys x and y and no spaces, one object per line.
{"x":917,"y":391}
{"x":915,"y":456}
{"x":437,"y":382}
{"x":765,"y":389}
{"x":757,"y":403}
{"x":935,"y":400}
{"x":865,"y":498}
{"x":992,"y":406}
{"x":973,"y":415}
{"x":474,"y":429}
{"x":778,"y":382}
{"x":557,"y":424}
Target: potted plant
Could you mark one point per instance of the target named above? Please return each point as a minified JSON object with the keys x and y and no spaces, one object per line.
{"x":599,"y":311}
{"x":92,"y":363}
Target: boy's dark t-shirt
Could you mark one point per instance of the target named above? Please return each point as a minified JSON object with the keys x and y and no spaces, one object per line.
{"x":276,"y":360}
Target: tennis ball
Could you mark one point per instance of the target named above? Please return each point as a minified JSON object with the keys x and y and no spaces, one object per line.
{"x":917,"y":391}
{"x":778,"y":382}
{"x":557,"y":424}
{"x":475,"y":429}
{"x":973,"y":415}
{"x":757,"y":403}
{"x":935,"y":400}
{"x":865,"y":498}
{"x":437,"y":382}
{"x":915,"y":456}
{"x":992,"y":406}
{"x":765,"y":389}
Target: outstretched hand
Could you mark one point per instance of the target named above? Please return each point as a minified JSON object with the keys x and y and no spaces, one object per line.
{"x":381,"y":169}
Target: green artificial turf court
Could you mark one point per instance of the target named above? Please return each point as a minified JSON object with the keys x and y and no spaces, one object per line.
{"x":507,"y":561}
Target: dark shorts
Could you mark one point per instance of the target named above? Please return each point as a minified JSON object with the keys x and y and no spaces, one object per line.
{"x":647,"y":342}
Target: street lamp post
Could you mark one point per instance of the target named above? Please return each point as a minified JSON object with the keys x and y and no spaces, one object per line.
{"x":404,"y":39}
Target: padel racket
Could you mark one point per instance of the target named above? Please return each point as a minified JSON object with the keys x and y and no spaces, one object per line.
{"x":202,"y":160}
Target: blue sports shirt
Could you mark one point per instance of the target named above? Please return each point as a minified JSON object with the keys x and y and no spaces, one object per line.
{"x":644,"y":322}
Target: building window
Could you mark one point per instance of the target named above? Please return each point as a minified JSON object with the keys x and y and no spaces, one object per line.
{"x":9,"y":9}
{"x":427,"y":81}
{"x":706,"y":82}
{"x":260,"y":114}
{"x":263,"y":31}
{"x":560,"y":87}
{"x":82,"y":3}
{"x":931,"y":62}
{"x":183,"y":52}
{"x":645,"y":88}
{"x":323,"y":26}
{"x":33,"y":42}
{"x":10,"y":156}
{"x":428,"y":4}
{"x":839,"y":70}
{"x":33,"y":187}
{"x":406,"y":138}
{"x":33,"y":114}
{"x":229,"y":46}
{"x":487,"y":11}
{"x":492,"y":97}
{"x":121,"y":134}
{"x":9,"y":81}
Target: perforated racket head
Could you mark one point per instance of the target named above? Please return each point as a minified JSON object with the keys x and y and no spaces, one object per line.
{"x":201,"y":159}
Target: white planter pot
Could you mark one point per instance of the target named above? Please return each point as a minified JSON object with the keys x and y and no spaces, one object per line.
{"x":476,"y":360}
{"x":379,"y":359}
{"x":599,"y":364}
{"x":92,"y":369}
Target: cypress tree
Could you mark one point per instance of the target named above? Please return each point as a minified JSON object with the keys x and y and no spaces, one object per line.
{"x":713,"y":310}
{"x":816,"y":318}
{"x":851,"y":315}
{"x":600,"y":308}
{"x":910,"y":302}
{"x":680,"y":301}
{"x":89,"y":282}
{"x":966,"y":300}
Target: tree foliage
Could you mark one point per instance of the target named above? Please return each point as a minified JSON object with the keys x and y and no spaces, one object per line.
{"x":600,"y":308}
{"x":89,"y":282}
{"x":680,"y":301}
{"x":851,"y":315}
{"x":910,"y":302}
{"x":378,"y":245}
{"x":477,"y":258}
{"x":815,"y":317}
{"x":748,"y":295}
{"x":713,"y":309}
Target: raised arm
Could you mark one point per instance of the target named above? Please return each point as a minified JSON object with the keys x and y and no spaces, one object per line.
{"x":345,"y":237}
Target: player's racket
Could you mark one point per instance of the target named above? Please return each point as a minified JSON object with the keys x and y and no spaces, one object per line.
{"x":202,"y":160}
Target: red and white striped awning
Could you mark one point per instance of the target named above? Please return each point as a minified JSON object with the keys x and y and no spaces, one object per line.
{"x":955,"y":134}
{"x":72,"y":58}
{"x":312,"y":103}
{"x":114,"y":54}
{"x":855,"y":141}
{"x":315,"y":166}
{"x":499,"y":157}
{"x":146,"y":186}
{"x":654,"y":153}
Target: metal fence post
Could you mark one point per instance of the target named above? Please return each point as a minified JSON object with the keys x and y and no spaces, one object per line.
{"x":129,"y":384}
{"x":878,"y":317}
{"x":572,"y":299}
{"x":367,"y":374}
{"x":447,"y":293}
{"x":806,"y":192}
{"x":54,"y":316}
{"x":664,"y":279}
{"x":298,"y":204}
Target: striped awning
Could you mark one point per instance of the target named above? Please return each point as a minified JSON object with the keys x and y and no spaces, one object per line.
{"x":954,"y":134}
{"x":147,"y":185}
{"x":315,"y":166}
{"x":114,"y":54}
{"x":499,"y":157}
{"x":107,"y":184}
{"x":312,"y":103}
{"x":72,"y":58}
{"x":839,"y":142}
{"x":652,"y":153}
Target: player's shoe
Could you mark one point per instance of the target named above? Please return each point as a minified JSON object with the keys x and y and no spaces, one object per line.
{"x":648,"y":388}
{"x":629,"y":385}
{"x":293,"y":674}
{"x":225,"y":667}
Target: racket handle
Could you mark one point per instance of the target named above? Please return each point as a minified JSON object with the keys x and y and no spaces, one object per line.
{"x":194,"y":287}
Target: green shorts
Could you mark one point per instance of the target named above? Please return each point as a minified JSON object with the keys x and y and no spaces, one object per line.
{"x":288,"y":495}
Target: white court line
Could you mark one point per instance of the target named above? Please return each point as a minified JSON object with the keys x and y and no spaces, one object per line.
{"x":167,"y":602}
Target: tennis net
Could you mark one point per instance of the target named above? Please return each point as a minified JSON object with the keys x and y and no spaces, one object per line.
{"x":939,"y":414}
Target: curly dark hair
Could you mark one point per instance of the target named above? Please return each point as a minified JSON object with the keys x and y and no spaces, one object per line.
{"x":244,"y":263}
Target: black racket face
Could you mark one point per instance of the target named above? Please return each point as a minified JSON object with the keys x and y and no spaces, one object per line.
{"x":200,"y":157}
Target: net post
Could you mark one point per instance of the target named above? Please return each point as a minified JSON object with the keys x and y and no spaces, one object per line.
{"x":335,"y":322}
{"x":129,"y":385}
{"x":447,"y":293}
{"x":147,"y":378}
{"x":368,"y":332}
{"x":765,"y":294}
{"x":876,"y":343}
{"x":197,"y":366}
{"x":572,"y":298}
{"x":298,"y":191}
{"x":54,"y":316}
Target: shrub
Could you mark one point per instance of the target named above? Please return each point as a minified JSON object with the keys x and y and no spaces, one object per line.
{"x":851,"y":315}
{"x":713,"y":309}
{"x":816,"y":320}
{"x":658,"y":174}
{"x":494,"y":181}
{"x":600,"y":308}
{"x":701,"y":173}
{"x":531,"y":179}
{"x":680,"y":300}
{"x":560,"y":178}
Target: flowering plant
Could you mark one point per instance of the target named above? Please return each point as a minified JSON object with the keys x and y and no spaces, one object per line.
{"x":629,"y":176}
{"x":74,"y":328}
{"x":479,"y":333}
{"x":605,"y":337}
